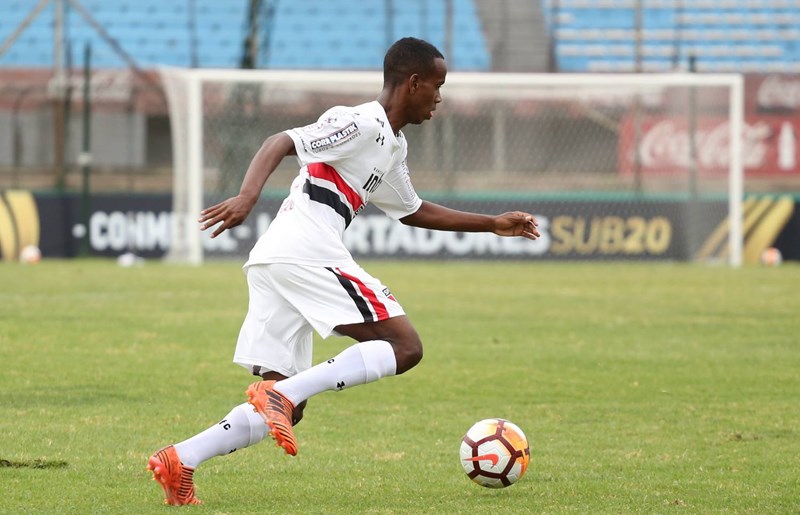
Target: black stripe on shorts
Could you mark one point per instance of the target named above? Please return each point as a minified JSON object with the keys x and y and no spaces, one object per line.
{"x":359,"y":301}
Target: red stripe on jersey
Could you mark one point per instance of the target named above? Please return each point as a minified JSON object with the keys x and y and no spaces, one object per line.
{"x":378,"y":306}
{"x":329,"y":173}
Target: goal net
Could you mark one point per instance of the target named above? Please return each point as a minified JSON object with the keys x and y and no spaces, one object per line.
{"x":614,"y":166}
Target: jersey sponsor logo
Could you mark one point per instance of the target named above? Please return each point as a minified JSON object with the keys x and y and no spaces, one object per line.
{"x":372,"y":183}
{"x":337,"y":138}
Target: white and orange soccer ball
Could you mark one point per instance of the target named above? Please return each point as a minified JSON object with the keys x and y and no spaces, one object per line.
{"x":495,"y":453}
{"x":30,"y":254}
{"x":771,"y":257}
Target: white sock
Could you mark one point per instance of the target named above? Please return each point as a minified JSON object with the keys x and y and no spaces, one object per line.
{"x":241,"y":428}
{"x":361,"y":363}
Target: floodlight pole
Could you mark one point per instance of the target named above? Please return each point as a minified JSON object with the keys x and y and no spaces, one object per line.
{"x":389,"y":22}
{"x":85,"y":157}
{"x":193,"y":59}
{"x":59,"y":100}
{"x":58,"y":41}
{"x":448,"y":31}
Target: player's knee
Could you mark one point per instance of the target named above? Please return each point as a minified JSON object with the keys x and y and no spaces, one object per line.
{"x":408,"y":353}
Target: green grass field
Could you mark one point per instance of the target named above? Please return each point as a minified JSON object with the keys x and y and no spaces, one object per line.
{"x":643,"y":388}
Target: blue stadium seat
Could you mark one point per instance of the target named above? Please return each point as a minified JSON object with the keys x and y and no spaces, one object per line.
{"x":730,"y":37}
{"x":307,"y":34}
{"x":361,"y":42}
{"x":152,"y":32}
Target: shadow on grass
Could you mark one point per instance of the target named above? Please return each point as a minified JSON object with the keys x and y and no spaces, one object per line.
{"x":33,"y":464}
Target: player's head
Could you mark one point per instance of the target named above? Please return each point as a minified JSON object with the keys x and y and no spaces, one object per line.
{"x":406,"y":57}
{"x":418,"y":69}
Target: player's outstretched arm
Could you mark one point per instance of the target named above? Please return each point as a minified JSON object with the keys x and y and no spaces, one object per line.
{"x":234,"y":211}
{"x":436,"y":217}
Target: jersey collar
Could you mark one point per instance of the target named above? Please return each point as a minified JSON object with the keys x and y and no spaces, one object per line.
{"x":380,"y":114}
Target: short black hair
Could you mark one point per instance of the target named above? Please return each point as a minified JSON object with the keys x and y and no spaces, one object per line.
{"x":406,"y":57}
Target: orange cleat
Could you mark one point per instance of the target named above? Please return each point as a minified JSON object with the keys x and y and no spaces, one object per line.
{"x":174,"y":477}
{"x":276,"y":411}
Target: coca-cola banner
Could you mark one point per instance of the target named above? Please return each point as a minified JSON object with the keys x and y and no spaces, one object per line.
{"x":775,"y":93}
{"x":769,"y":145}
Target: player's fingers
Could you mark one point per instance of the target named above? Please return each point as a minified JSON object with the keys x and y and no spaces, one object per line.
{"x":210,"y":210}
{"x":521,"y":217}
{"x":220,"y":229}
{"x":529,"y":218}
{"x":228,"y":222}
{"x":210,"y":213}
{"x":209,"y":221}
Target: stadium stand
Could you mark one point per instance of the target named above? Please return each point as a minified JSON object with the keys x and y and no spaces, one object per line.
{"x":587,"y":35}
{"x":353,"y":35}
{"x":151,"y":32}
{"x":721,"y":35}
{"x":308,"y":34}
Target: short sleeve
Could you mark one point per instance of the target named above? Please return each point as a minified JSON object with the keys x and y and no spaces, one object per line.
{"x":396,"y":195}
{"x":336,"y":135}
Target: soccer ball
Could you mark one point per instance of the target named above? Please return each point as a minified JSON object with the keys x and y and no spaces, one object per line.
{"x":495,"y":453}
{"x":771,"y":257}
{"x":30,"y":254}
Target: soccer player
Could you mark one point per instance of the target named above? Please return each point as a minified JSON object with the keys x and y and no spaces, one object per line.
{"x":301,"y":277}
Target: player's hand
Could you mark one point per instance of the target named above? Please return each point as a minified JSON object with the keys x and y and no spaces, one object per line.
{"x":516,"y":223}
{"x":230,"y":213}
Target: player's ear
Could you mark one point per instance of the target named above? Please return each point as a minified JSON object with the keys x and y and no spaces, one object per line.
{"x":413,"y":83}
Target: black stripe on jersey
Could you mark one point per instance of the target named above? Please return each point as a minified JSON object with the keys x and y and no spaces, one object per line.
{"x":329,"y":198}
{"x":360,"y":303}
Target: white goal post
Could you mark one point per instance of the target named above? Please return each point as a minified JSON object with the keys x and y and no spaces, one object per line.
{"x":554,"y":137}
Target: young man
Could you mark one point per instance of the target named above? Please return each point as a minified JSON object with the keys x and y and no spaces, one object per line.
{"x":300,"y":276}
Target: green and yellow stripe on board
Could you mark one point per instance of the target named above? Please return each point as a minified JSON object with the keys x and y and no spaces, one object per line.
{"x":764,"y":217}
{"x":19,"y":223}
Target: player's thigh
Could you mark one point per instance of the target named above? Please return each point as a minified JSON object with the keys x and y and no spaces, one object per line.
{"x":394,"y":330}
{"x":329,"y":297}
{"x":274,"y":335}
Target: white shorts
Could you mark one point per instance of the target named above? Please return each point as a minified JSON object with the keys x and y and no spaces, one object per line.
{"x":288,"y":302}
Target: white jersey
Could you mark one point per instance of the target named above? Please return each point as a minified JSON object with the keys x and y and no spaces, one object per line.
{"x":348,"y":158}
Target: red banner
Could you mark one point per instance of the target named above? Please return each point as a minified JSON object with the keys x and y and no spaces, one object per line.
{"x":769,"y":146}
{"x":774,"y":93}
